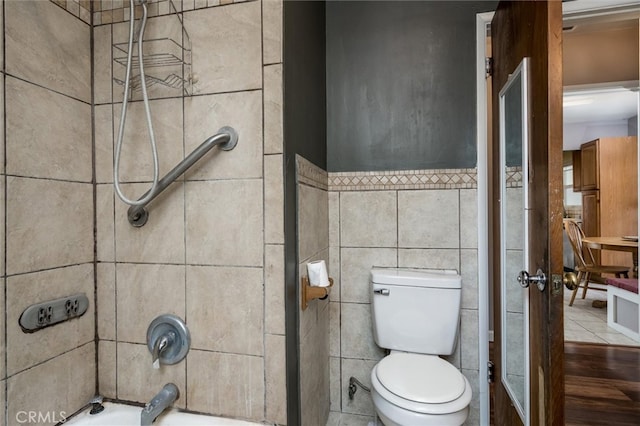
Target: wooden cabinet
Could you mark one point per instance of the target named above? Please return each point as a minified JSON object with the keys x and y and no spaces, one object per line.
{"x":577,"y":170}
{"x":591,"y":210}
{"x":589,"y":165}
{"x":609,"y":183}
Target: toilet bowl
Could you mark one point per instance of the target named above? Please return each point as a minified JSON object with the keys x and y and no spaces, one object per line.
{"x":415,"y":390}
{"x":416,"y":315}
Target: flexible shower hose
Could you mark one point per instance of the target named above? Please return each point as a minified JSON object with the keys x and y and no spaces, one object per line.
{"x":152,"y":140}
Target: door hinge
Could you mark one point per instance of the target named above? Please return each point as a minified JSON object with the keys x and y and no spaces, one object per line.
{"x":490,"y":372}
{"x":488,"y":66}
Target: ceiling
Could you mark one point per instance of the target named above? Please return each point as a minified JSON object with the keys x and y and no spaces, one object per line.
{"x":606,"y":102}
{"x":600,"y":105}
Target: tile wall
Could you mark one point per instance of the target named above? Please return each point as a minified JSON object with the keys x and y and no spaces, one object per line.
{"x":313,"y":244}
{"x":408,"y":219}
{"x":46,"y":207}
{"x":212,"y":251}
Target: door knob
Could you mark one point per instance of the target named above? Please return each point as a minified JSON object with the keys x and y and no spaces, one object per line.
{"x":570,"y":281}
{"x":540,"y":279}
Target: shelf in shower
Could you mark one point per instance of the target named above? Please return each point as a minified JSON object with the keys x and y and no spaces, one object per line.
{"x":166,"y":57}
{"x":165,"y":52}
{"x":172,"y":81}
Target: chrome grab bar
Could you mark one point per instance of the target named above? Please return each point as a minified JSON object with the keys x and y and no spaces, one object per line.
{"x":226,"y":137}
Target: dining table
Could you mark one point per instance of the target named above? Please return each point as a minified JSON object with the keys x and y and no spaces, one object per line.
{"x":628,"y":244}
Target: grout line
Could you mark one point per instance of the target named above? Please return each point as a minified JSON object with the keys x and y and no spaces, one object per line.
{"x":4,"y":333}
{"x":112,"y":219}
{"x":264,"y":225}
{"x":66,"y":95}
{"x":184,"y":205}
{"x":95,"y":206}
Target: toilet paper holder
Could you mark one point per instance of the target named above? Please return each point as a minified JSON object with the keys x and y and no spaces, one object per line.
{"x":308,"y":292}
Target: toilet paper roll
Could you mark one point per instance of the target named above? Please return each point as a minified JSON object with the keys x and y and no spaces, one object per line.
{"x":318,"y":275}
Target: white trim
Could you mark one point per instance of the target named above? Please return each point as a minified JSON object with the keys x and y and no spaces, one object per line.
{"x":521,"y":71}
{"x":482,"y":19}
{"x":614,"y":295}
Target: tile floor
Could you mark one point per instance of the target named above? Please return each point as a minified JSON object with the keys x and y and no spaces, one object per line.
{"x":344,"y":419}
{"x":584,"y":323}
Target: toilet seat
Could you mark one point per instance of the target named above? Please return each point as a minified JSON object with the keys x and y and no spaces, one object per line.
{"x":420,"y":378}
{"x":421,"y":383}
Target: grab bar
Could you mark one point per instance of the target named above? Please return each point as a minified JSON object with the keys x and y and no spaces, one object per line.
{"x":226,"y":137}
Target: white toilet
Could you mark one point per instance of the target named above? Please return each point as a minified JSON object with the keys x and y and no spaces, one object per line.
{"x":416,"y":314}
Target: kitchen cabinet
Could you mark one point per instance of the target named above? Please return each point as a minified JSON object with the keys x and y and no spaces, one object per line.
{"x":609,"y":184}
{"x":577,"y":170}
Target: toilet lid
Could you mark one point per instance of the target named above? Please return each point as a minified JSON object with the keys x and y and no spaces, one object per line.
{"x":422,"y":378}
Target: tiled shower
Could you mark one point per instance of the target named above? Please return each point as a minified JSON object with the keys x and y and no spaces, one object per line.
{"x":213,"y":250}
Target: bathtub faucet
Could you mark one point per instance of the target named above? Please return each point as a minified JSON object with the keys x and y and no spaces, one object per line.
{"x":163,"y":400}
{"x":162,"y":344}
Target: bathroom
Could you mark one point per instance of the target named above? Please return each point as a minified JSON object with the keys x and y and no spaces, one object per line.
{"x":225,"y":245}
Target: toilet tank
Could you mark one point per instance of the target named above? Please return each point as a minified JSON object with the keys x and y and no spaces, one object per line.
{"x":416,"y":310}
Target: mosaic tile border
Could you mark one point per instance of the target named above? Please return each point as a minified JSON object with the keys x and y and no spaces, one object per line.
{"x":309,"y":174}
{"x":115,"y":11}
{"x":404,"y":179}
{"x":78,"y":8}
{"x":514,"y":177}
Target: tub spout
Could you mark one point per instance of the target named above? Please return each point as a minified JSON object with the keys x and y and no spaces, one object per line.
{"x":163,"y":400}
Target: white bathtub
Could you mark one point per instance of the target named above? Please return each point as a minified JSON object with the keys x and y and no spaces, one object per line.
{"x":127,"y":415}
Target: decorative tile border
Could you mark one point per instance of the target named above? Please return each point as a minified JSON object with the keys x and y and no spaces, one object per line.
{"x":114,"y":11}
{"x":79,"y":8}
{"x":514,"y":177}
{"x":309,"y":174}
{"x":403,"y":179}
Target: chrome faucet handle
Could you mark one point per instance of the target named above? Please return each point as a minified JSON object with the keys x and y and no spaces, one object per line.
{"x":168,"y":340}
{"x":161,"y":345}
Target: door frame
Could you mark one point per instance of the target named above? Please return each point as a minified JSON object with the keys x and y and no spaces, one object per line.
{"x":482,"y":164}
{"x":603,"y":7}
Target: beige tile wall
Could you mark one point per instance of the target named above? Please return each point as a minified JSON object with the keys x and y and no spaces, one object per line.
{"x":46,"y":208}
{"x":409,"y":219}
{"x":313,"y":244}
{"x":113,"y":11}
{"x":212,"y":251}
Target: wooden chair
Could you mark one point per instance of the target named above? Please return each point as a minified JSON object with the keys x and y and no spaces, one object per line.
{"x":586,"y":267}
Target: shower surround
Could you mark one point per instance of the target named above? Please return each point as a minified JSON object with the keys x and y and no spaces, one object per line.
{"x":212,"y":251}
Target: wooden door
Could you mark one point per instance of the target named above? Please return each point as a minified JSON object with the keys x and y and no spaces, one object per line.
{"x":533,"y":29}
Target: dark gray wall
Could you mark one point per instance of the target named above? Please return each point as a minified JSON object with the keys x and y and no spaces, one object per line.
{"x":401,"y":84}
{"x":305,"y":134}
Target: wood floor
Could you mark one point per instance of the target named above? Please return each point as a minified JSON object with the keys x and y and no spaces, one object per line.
{"x":602,"y":384}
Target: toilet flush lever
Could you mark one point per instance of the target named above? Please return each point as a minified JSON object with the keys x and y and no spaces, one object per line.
{"x":382,"y":291}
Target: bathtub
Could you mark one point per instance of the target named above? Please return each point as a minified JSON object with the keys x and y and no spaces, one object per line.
{"x":128,"y":415}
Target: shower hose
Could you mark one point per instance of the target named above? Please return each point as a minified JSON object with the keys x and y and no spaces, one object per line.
{"x":116,"y":168}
